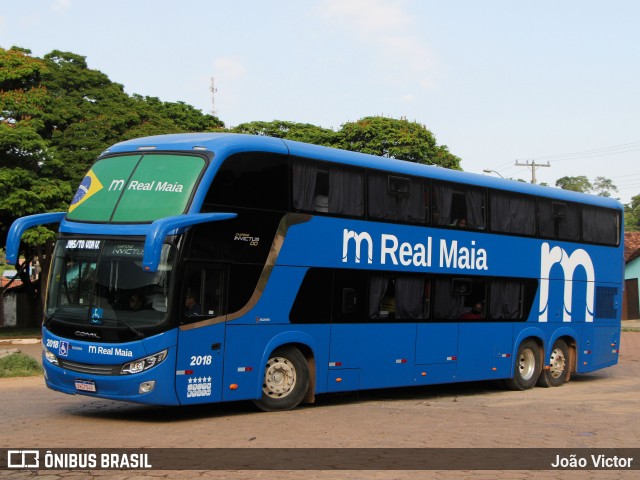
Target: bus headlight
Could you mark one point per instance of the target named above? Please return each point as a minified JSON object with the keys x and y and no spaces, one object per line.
{"x":49,"y":356}
{"x":143,"y":364}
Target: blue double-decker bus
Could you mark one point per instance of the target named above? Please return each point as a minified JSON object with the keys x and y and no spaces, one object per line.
{"x":216,"y":267}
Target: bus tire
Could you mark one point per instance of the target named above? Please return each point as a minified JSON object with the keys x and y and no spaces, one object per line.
{"x":527,"y":367}
{"x":558,"y":360}
{"x":286,"y":380}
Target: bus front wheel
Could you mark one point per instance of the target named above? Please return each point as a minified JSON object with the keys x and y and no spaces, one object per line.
{"x":286,"y":380}
{"x":527,"y":368}
{"x":556,"y":374}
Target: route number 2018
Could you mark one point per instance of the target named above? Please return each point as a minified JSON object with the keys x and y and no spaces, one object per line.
{"x":200,"y":360}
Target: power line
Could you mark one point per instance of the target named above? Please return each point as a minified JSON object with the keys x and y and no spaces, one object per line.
{"x":533,"y":165}
{"x":595,"y":152}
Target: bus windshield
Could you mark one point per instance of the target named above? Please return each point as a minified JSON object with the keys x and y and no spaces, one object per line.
{"x":101,"y":282}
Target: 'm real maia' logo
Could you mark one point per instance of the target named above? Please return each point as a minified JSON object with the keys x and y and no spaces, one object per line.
{"x":579,"y":258}
{"x":393,"y":251}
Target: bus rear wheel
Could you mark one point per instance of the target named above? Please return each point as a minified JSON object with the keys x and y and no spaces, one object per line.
{"x":556,"y":375}
{"x":527,"y":367}
{"x":286,"y":380}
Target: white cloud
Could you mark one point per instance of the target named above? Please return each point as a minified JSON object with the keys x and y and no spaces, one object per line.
{"x":390,"y":33}
{"x":60,"y":5}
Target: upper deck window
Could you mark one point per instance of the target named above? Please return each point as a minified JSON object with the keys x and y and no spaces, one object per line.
{"x":327,"y":188}
{"x":600,"y":225}
{"x":136,"y":188}
{"x":512,"y":213}
{"x":252,"y":180}
{"x":558,"y":220}
{"x":397,"y":198}
{"x":458,"y":206}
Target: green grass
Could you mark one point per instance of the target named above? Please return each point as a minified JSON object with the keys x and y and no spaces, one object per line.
{"x":12,"y":332}
{"x":19,"y":365}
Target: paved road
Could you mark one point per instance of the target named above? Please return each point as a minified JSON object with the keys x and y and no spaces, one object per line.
{"x":598,"y":410}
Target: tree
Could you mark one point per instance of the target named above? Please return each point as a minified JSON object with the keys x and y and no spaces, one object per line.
{"x":301,"y":132}
{"x":576,"y":184}
{"x":400,"y":139}
{"x":56,"y":116}
{"x":603,"y":186}
{"x":632,"y":215}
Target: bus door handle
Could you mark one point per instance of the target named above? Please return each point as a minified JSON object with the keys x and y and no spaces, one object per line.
{"x":216,"y":346}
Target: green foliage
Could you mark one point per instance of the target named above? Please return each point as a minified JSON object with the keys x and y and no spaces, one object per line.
{"x":382,"y":136}
{"x":19,"y":365}
{"x":601,"y":186}
{"x":398,"y":139}
{"x":56,"y":116}
{"x":301,"y":132}
{"x":632,"y":215}
{"x":576,"y":184}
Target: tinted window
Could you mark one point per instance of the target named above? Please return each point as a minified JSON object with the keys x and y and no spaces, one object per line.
{"x":394,"y":297}
{"x":252,"y":180}
{"x":203,"y":293}
{"x":512,"y":213}
{"x":600,"y":225}
{"x":350,"y":296}
{"x":558,"y":220}
{"x":327,"y":188}
{"x":459,"y":298}
{"x":313,"y":302}
{"x":396,"y":198}
{"x":458,"y":206}
{"x":243,"y":281}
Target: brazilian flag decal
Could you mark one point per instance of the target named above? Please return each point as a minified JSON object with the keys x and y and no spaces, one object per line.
{"x":89,"y":186}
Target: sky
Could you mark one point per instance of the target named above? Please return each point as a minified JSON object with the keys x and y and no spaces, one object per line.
{"x":499,"y":82}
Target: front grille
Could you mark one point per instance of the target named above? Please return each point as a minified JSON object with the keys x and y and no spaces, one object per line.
{"x":90,"y":368}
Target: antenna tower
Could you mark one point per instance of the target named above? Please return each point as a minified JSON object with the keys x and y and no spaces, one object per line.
{"x":213,"y":91}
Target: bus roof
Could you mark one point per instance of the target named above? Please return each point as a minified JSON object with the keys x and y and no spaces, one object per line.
{"x":224,"y":144}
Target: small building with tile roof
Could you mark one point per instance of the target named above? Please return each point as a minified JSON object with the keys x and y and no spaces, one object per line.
{"x":631,"y":304}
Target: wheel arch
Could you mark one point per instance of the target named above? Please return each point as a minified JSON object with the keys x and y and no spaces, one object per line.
{"x":534,"y":334}
{"x":306,"y":345}
{"x":568,"y":335}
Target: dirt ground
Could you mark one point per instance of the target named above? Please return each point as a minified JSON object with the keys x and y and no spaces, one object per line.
{"x":597,"y":410}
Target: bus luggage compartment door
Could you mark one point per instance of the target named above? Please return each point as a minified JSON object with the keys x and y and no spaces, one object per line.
{"x":436,"y":353}
{"x":199,"y":364}
{"x":374,"y":355}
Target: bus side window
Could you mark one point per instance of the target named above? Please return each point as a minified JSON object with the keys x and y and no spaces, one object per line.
{"x":400,"y":297}
{"x":203,"y":293}
{"x":313,"y":301}
{"x":349,"y":296}
{"x":600,"y":225}
{"x":397,"y":198}
{"x":462,"y":207}
{"x":252,"y":180}
{"x":506,"y":299}
{"x":459,"y":298}
{"x":558,"y":220}
{"x":512,"y":213}
{"x":327,"y":188}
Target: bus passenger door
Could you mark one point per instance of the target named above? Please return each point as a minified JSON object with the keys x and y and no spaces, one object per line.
{"x":201,"y":338}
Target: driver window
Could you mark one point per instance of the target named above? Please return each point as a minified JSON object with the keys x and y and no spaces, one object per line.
{"x":203,"y":293}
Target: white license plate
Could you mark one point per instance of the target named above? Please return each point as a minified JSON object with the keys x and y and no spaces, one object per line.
{"x":86,"y":385}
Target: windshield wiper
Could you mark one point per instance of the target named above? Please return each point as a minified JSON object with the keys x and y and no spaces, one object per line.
{"x":137,"y":333}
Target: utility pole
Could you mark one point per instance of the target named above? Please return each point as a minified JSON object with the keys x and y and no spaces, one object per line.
{"x":213,"y":91}
{"x":532,"y":165}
